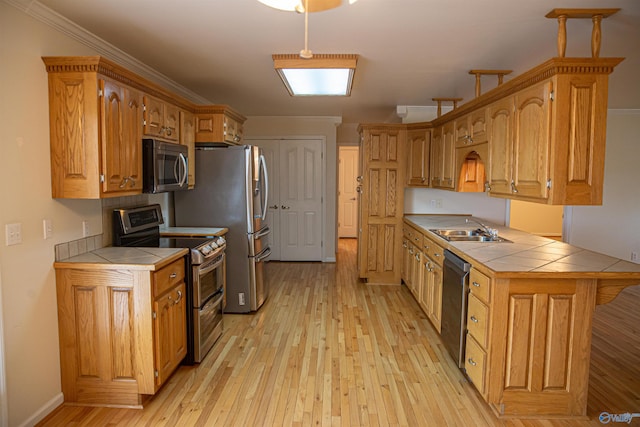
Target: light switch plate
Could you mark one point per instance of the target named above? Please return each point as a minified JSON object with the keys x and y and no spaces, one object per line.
{"x":47,"y":228}
{"x":13,"y":234}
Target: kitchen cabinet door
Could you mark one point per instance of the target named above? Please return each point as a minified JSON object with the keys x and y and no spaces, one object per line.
{"x":170,"y":334}
{"x":530,"y":161}
{"x":418,"y":157}
{"x":121,"y":136}
{"x":382,"y":155}
{"x":500,"y":135}
{"x":161,"y":119}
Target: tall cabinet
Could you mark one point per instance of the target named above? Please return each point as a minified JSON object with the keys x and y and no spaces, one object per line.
{"x":382,"y":179}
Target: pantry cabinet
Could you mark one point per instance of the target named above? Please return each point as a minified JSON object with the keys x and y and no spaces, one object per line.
{"x":122,"y":330}
{"x":381,"y":204}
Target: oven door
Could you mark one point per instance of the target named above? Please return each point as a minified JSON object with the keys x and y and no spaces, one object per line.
{"x":207,"y":325}
{"x":208,"y":278}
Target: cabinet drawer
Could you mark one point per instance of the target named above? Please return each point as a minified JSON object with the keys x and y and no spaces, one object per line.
{"x":478,"y":320}
{"x":436,"y":253}
{"x":475,"y":363}
{"x":479,"y":285}
{"x":167,"y":277}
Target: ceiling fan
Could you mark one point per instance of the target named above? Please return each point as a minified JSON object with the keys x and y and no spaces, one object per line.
{"x":301,"y":6}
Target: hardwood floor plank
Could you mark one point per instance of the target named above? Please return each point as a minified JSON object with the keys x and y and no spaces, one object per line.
{"x":329,"y":350}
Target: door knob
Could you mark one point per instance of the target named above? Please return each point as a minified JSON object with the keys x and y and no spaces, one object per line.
{"x":353,"y":198}
{"x":273,"y":207}
{"x":284,"y":207}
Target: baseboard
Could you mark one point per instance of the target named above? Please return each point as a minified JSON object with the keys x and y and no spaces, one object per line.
{"x":44,"y":410}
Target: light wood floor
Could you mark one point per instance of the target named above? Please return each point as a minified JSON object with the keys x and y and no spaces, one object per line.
{"x":326,"y":349}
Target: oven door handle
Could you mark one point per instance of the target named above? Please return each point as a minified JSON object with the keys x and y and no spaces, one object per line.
{"x":207,"y":268}
{"x":263,"y":254}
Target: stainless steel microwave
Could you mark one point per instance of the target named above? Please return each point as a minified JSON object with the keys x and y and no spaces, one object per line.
{"x":165,"y":166}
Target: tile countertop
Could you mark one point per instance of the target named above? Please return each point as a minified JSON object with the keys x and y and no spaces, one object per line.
{"x":113,"y":258}
{"x":527,"y":254}
{"x":193,"y":231}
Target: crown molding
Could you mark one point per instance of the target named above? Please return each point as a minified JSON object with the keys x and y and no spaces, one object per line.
{"x":67,"y":27}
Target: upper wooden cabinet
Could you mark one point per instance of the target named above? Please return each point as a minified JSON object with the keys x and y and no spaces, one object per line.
{"x":545,"y":129}
{"x":95,"y":134}
{"x":443,"y":157}
{"x":419,"y":146}
{"x":521,"y":129}
{"x":219,"y":124}
{"x":161,"y":119}
{"x":98,"y":115}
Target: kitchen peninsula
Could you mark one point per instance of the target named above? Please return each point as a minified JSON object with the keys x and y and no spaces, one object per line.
{"x":528,"y":350}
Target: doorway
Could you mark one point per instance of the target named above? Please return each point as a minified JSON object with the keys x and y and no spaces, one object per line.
{"x":347,"y":197}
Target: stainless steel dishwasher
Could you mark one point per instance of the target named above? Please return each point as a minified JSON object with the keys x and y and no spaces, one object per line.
{"x":455,"y":288}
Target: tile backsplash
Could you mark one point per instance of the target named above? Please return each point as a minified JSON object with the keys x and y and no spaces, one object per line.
{"x":88,"y":244}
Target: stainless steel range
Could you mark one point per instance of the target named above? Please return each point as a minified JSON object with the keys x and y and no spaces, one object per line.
{"x":140,"y":227}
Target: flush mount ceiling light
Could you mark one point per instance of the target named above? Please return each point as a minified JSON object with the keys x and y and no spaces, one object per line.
{"x":299,"y":5}
{"x":320,"y":75}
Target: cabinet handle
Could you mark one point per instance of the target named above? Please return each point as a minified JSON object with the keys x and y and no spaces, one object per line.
{"x":359,"y":189}
{"x":359,"y":178}
{"x":169,"y":132}
{"x":471,"y":362}
{"x":476,"y":284}
{"x":173,"y":275}
{"x":474,"y":319}
{"x":513,"y":187}
{"x":437,"y":255}
{"x":132,"y":181}
{"x":418,"y":257}
{"x":179,"y":298}
{"x":487,"y":186}
{"x":467,"y":139}
{"x":124,"y":181}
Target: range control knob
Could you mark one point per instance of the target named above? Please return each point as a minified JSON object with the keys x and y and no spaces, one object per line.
{"x":206,"y":249}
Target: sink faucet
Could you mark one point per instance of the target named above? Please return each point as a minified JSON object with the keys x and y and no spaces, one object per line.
{"x":490,"y":231}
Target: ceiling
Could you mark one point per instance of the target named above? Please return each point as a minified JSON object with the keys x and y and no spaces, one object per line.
{"x":410,"y":50}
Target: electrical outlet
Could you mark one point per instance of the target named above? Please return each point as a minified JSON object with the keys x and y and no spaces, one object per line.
{"x":85,"y":229}
{"x":439,"y":203}
{"x":433,"y":203}
{"x":241,"y":298}
{"x":47,"y":229}
{"x":13,"y":234}
{"x":634,"y":256}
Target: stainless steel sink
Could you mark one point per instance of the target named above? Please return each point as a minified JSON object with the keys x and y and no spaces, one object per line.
{"x":476,"y":235}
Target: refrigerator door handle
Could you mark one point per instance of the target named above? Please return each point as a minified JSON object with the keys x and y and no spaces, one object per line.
{"x":263,"y":254}
{"x":263,"y":232}
{"x":263,"y":164}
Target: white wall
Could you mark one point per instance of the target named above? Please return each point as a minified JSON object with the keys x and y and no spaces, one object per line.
{"x":614,"y":227}
{"x":28,"y":280}
{"x":434,"y":201}
{"x":261,"y":127}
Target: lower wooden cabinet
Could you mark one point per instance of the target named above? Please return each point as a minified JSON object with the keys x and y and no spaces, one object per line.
{"x":122,"y":331}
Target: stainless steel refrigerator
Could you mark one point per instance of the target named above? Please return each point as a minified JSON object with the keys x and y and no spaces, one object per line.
{"x":231,"y":190}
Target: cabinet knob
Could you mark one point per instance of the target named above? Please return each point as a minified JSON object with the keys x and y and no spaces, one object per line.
{"x":513,"y":187}
{"x":124,"y":181}
{"x":471,"y":362}
{"x":476,"y":284}
{"x":474,"y":319}
{"x":173,"y":275}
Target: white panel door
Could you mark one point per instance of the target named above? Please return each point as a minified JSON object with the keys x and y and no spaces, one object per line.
{"x":300,"y":200}
{"x":271,"y":152}
{"x":347,"y":196}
